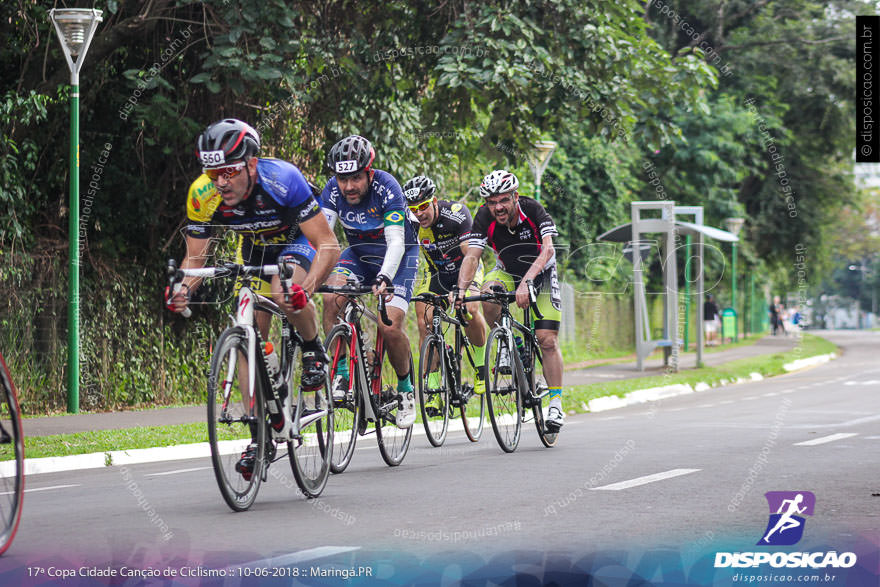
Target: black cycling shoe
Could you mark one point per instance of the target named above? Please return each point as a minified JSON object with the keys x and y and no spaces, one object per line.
{"x":314,"y":364}
{"x":245,"y":464}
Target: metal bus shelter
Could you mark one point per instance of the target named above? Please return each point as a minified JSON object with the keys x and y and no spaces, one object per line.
{"x":670,"y":230}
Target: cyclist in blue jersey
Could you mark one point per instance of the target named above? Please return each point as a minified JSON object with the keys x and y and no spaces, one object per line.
{"x":382,"y":251}
{"x":271,"y":206}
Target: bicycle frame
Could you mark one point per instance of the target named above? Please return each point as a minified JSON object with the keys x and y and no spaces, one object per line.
{"x":357,"y":356}
{"x":249,"y":302}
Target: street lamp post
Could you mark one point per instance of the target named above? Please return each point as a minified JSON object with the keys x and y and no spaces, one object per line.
{"x":538,"y":161}
{"x":75,"y":28}
{"x":867,"y":271}
{"x":734,"y":225}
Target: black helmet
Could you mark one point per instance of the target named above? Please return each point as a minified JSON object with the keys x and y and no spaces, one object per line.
{"x":418,"y":189}
{"x":227,"y":141}
{"x":350,"y":155}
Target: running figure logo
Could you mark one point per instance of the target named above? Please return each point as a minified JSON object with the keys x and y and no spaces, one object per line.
{"x":786,"y":525}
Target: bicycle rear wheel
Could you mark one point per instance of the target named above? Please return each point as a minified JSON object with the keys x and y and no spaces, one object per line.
{"x":393,"y":441}
{"x":11,"y":460}
{"x":502,"y":397}
{"x":435,"y":417}
{"x":539,"y":388}
{"x":232,"y":425}
{"x":310,"y":451}
{"x":346,"y":407}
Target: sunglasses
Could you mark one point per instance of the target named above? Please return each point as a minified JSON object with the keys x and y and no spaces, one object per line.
{"x":421,"y":207}
{"x":500,"y":201}
{"x":227,"y":172}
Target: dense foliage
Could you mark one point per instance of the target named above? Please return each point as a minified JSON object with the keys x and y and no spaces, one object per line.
{"x":452,"y":89}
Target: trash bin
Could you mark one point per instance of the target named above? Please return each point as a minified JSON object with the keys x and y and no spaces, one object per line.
{"x":728,"y":323}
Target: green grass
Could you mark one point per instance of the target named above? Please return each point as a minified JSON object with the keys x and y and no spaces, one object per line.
{"x":575,"y":399}
{"x":767,"y":365}
{"x":110,"y":440}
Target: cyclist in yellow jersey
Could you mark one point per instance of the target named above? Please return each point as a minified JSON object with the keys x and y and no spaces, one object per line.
{"x":444,"y":228}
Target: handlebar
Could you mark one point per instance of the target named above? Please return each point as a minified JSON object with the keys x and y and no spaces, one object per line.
{"x":226,"y":269}
{"x":357,"y":289}
{"x":499,"y":294}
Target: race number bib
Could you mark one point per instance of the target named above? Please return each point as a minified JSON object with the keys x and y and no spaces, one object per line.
{"x":349,"y":166}
{"x":212,"y":158}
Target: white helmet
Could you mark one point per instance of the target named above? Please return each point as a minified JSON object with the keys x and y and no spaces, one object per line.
{"x":499,"y":181}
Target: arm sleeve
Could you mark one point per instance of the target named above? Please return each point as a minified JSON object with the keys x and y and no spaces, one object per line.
{"x":394,"y":239}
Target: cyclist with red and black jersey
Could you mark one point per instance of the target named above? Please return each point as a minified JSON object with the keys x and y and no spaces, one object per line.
{"x":272,"y":207}
{"x":521,"y":232}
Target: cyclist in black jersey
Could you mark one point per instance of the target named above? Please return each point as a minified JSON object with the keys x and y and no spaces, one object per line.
{"x":443,"y":232}
{"x":521,"y":232}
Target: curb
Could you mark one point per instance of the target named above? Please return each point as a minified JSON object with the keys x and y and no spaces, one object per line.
{"x":202,"y":449}
{"x":651,"y":394}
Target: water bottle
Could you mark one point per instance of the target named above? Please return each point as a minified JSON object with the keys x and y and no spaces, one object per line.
{"x":273,"y":367}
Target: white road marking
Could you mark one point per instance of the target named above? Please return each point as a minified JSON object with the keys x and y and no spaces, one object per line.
{"x":299,"y":557}
{"x":43,"y":488}
{"x":645,"y":480}
{"x":824,"y":439}
{"x":177,"y":471}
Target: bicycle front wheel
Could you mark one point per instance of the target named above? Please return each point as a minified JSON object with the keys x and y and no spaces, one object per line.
{"x":502,"y":396}
{"x":393,"y":441}
{"x":346,"y":407}
{"x":11,"y":460}
{"x":233,"y":424}
{"x":433,"y":390}
{"x":311,"y":448}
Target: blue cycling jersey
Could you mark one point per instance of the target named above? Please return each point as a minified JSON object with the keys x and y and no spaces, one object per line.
{"x":364,"y":223}
{"x":270,"y":215}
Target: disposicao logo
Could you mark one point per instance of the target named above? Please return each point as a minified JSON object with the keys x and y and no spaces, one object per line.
{"x":785,"y":528}
{"x":786,"y":524}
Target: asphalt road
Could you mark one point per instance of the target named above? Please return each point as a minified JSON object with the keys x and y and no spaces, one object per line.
{"x":684,"y":477}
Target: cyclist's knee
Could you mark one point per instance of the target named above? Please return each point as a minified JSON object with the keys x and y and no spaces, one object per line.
{"x":548,"y":340}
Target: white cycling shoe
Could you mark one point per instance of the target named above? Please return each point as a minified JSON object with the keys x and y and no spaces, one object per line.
{"x":406,"y":413}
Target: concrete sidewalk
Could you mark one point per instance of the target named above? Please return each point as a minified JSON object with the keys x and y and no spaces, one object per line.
{"x":170,"y":416}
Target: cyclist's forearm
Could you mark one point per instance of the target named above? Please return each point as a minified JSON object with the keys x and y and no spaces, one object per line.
{"x":540,"y":262}
{"x":196,"y":251}
{"x":325,"y":260}
{"x":469,"y":267}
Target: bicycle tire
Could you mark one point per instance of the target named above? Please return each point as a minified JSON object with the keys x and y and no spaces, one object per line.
{"x":393,"y":441}
{"x":437,"y":425}
{"x":12,"y":463}
{"x":473,"y":424}
{"x":230,"y":426}
{"x":548,"y":438}
{"x":310,"y":453}
{"x":502,"y":394}
{"x":347,"y":411}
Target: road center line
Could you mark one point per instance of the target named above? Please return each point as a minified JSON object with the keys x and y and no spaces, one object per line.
{"x":824,"y":439}
{"x":645,"y":480}
{"x":177,"y":471}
